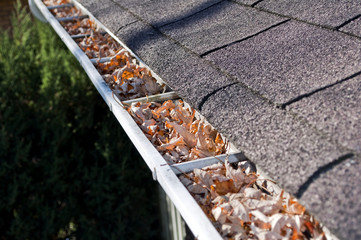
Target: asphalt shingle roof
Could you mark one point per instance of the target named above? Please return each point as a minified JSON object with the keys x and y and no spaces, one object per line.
{"x":335,"y":196}
{"x":218,"y":25}
{"x":281,"y":79}
{"x":335,"y":111}
{"x":354,"y":27}
{"x":290,"y":60}
{"x":331,"y":13}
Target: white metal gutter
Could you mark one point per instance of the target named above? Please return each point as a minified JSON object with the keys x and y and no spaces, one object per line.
{"x":197,"y":221}
{"x":166,"y":175}
{"x":35,"y":11}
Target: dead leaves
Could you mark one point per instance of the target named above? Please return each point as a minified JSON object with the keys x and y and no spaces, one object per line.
{"x":98,"y":45}
{"x":233,"y":198}
{"x":127,"y":79}
{"x":175,"y":132}
{"x":55,"y":2}
{"x":77,"y":26}
{"x":240,"y":207}
{"x":65,"y":12}
{"x":123,"y":74}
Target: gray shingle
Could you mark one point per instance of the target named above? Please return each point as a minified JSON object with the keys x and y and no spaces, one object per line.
{"x":336,"y":111}
{"x":324,"y":12}
{"x":219,"y":25}
{"x":353,"y":27}
{"x":334,"y":198}
{"x":290,"y":60}
{"x":109,"y":14}
{"x":90,"y":4}
{"x":286,"y":149}
{"x":183,"y":71}
{"x":163,"y":12}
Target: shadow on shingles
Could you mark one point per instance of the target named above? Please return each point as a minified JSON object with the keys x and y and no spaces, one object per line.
{"x":321,"y":171}
{"x":138,"y":39}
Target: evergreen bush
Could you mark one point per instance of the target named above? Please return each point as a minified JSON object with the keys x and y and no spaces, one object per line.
{"x":67,"y":170}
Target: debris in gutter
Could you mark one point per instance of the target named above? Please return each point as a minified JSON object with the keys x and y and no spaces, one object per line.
{"x":242,"y":205}
{"x":175,"y":132}
{"x":77,"y":26}
{"x":98,"y":45}
{"x":65,"y":12}
{"x":127,"y":79}
{"x":55,"y":2}
{"x":122,"y":73}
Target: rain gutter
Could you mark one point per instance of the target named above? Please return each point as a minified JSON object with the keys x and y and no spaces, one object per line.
{"x":162,"y":172}
{"x":197,"y":221}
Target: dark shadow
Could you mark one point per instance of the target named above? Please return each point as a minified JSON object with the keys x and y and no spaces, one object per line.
{"x":254,"y":4}
{"x":205,"y":99}
{"x":300,"y":97}
{"x":194,"y":11}
{"x":348,"y":21}
{"x":319,"y":172}
{"x":135,"y":39}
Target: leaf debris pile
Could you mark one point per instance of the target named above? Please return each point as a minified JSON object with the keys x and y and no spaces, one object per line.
{"x":174,"y":131}
{"x":77,"y":26}
{"x":65,"y":12}
{"x":242,"y":206}
{"x":55,"y":2}
{"x":123,"y":74}
{"x":238,"y":203}
{"x":74,"y":27}
{"x":98,"y":45}
{"x":127,"y":79}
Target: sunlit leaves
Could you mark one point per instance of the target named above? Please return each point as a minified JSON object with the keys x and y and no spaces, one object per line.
{"x":98,"y":45}
{"x":55,"y":2}
{"x":127,"y":79}
{"x":175,"y":132}
{"x":241,"y":207}
{"x":65,"y":12}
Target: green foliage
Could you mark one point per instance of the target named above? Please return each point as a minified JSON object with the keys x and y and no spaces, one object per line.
{"x":67,"y":170}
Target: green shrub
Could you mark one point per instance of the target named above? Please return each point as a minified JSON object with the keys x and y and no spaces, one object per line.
{"x":67,"y":169}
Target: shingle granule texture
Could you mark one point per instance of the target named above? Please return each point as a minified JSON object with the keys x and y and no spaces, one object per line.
{"x":336,"y":111}
{"x":353,"y":27}
{"x":335,"y":198}
{"x":219,"y":25}
{"x":109,"y":14}
{"x":290,"y":60}
{"x":331,"y":13}
{"x":161,"y":12}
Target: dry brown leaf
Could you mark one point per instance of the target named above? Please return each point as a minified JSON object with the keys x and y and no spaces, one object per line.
{"x":175,"y":132}
{"x":188,"y":137}
{"x":247,"y":211}
{"x":129,"y":81}
{"x":55,"y":2}
{"x":98,"y":46}
{"x":225,"y":187}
